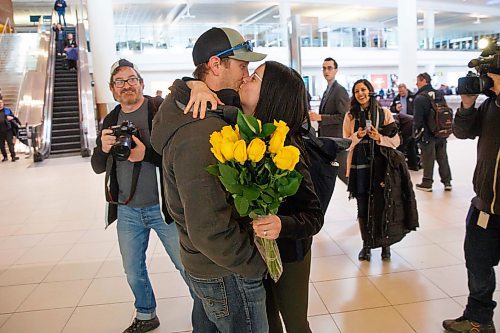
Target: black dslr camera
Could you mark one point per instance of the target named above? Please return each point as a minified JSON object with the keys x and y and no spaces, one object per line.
{"x":488,"y":61}
{"x":124,"y":142}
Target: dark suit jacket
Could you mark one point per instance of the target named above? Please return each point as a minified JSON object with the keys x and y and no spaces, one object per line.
{"x":333,"y":108}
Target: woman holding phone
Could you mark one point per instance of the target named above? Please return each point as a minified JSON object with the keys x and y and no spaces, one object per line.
{"x":370,"y":127}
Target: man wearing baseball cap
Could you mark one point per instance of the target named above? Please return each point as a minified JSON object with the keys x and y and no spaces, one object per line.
{"x":223,"y":266}
{"x":124,"y":152}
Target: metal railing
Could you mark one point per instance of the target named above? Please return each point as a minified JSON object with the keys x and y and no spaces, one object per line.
{"x":43,"y":131}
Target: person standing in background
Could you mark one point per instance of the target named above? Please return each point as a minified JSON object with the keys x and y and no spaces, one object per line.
{"x":332,"y":109}
{"x":6,"y":132}
{"x":158,"y":99}
{"x":60,"y":8}
{"x":433,"y":148}
{"x":405,"y":99}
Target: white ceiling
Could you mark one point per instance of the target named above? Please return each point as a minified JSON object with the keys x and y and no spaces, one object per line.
{"x":449,"y":14}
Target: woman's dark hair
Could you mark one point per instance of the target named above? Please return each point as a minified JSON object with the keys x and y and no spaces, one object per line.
{"x":283,"y":96}
{"x":355,"y":107}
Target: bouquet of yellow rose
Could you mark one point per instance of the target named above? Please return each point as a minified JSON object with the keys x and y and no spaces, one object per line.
{"x":258,"y":170}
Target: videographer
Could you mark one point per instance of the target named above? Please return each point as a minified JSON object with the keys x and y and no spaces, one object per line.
{"x":132,"y":193}
{"x":482,"y":237}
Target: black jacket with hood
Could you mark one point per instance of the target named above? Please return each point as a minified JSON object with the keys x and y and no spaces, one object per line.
{"x":483,"y":123}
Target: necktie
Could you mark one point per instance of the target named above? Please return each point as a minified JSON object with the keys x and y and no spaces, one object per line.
{"x":323,"y":99}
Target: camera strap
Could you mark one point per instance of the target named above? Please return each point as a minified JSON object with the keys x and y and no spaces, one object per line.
{"x":108,"y":191}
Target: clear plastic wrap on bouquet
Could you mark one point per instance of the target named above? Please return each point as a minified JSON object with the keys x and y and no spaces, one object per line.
{"x":268,"y":249}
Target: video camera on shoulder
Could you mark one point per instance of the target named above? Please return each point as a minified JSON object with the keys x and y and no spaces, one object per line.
{"x":487,"y":62}
{"x":124,"y":142}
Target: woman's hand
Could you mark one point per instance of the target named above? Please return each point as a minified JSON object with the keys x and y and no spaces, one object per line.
{"x":360,"y":133}
{"x":200,"y":96}
{"x":268,"y":227}
{"x":374,"y":134}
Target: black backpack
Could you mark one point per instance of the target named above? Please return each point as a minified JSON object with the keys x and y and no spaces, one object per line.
{"x":322,"y":154}
{"x":442,"y":121}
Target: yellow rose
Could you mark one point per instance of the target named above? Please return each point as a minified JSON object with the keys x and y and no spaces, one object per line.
{"x":227,"y":149}
{"x":256,"y":150}
{"x":286,"y":158}
{"x":228,"y":133}
{"x":217,"y":153}
{"x":277,"y":142}
{"x":240,"y":151}
{"x":215,"y":139}
{"x":281,"y":127}
{"x":260,"y":125}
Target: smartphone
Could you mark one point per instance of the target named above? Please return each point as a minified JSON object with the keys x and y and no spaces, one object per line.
{"x":368,"y":126}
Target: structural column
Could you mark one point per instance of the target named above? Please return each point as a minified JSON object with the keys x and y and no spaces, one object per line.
{"x":285,"y":14}
{"x":407,"y":39}
{"x":429,"y":25}
{"x":103,"y":49}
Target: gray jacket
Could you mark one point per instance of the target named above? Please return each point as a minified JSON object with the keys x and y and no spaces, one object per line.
{"x":483,"y":123}
{"x":215,"y":241}
{"x":332,"y":109}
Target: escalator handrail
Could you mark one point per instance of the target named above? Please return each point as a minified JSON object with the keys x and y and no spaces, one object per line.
{"x":44,"y":138}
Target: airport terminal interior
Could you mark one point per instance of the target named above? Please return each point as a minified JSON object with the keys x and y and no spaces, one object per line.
{"x":61,"y":270}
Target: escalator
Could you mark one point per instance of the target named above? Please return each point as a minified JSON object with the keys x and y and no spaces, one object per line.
{"x":67,"y":126}
{"x":65,"y":109}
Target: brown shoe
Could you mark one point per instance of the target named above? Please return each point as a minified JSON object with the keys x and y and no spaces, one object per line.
{"x":462,"y":325}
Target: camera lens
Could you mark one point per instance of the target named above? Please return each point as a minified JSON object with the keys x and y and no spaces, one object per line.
{"x":122,"y":147}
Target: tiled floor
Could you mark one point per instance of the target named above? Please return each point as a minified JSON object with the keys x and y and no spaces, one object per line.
{"x":60,"y":271}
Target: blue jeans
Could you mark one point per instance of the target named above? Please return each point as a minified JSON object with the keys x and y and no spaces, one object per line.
{"x":133,"y":226}
{"x":61,"y":13}
{"x":482,"y":252}
{"x":230,"y":303}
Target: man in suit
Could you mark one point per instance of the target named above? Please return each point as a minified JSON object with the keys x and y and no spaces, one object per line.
{"x":334,"y":103}
{"x":332,"y":109}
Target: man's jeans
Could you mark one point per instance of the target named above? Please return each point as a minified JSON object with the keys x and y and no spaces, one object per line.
{"x":482,"y":252}
{"x":231,"y":304}
{"x":61,"y":13}
{"x":134,"y":225}
{"x":435,"y":150}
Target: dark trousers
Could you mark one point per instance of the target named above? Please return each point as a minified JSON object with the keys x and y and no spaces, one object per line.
{"x":482,"y":252}
{"x":289,"y":296}
{"x":409,"y":148}
{"x":60,"y":46}
{"x":61,"y":13}
{"x":9,"y":137}
{"x":435,"y":150}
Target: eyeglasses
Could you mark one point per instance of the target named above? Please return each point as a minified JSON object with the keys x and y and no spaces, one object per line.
{"x":246,"y":44}
{"x":255,"y":75}
{"x":132,"y":81}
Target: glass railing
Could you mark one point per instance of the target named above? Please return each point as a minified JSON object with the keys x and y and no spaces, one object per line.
{"x":137,"y":38}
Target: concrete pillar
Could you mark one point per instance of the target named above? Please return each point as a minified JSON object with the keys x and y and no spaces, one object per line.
{"x":285,"y":14}
{"x":102,"y":46}
{"x":429,"y":25}
{"x":407,"y":38}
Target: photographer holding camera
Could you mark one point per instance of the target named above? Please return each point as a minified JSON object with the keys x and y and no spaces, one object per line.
{"x":125,"y":154}
{"x":482,"y":237}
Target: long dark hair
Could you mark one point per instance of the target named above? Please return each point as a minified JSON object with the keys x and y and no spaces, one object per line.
{"x":355,"y":106}
{"x":283,"y":96}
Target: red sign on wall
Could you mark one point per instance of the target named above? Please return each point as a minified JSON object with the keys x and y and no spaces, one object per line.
{"x":379,"y":81}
